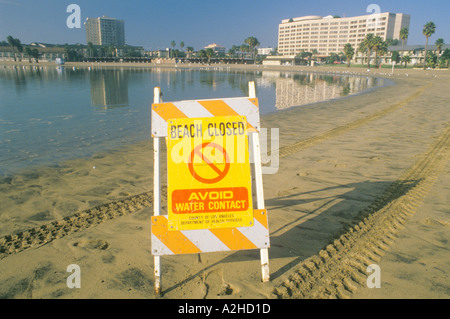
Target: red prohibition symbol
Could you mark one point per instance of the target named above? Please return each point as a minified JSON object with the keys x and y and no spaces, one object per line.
{"x":221,"y":173}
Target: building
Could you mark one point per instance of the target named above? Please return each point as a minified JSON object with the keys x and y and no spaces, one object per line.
{"x":416,"y":52}
{"x":329,"y":34}
{"x":105,"y":31}
{"x":264,"y":51}
{"x":218,"y":49}
{"x":46,"y":54}
{"x":283,"y":60}
{"x":159,"y":53}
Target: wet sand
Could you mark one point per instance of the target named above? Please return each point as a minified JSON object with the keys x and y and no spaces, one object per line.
{"x":361,"y":180}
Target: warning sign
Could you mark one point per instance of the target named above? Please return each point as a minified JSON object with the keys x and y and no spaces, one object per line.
{"x":209,"y":182}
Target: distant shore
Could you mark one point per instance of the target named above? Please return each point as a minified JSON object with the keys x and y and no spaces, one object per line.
{"x":343,"y":69}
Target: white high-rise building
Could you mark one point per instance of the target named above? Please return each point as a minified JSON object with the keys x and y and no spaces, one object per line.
{"x":105,"y":31}
{"x":329,"y":35}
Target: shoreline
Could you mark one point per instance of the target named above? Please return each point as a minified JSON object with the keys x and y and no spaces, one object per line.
{"x":359,"y":70}
{"x":340,"y":161}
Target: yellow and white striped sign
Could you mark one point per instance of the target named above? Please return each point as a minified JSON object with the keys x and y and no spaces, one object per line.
{"x":244,"y":106}
{"x":255,"y":233}
{"x":165,"y":242}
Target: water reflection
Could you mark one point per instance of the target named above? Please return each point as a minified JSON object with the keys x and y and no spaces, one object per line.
{"x":109,"y":88}
{"x":209,"y":83}
{"x":17,"y":75}
{"x":302,"y":89}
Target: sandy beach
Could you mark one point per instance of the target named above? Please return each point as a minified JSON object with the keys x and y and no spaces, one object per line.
{"x":362,"y":180}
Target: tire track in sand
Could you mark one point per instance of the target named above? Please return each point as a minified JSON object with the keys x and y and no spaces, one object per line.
{"x":41,"y":235}
{"x":300,"y":145}
{"x":340,"y":268}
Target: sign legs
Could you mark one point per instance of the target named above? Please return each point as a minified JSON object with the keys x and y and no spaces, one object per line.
{"x":256,"y":151}
{"x":264,"y":253}
{"x":157,"y":193}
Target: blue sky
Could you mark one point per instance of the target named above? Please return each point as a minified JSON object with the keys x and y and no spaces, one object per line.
{"x":154,"y":24}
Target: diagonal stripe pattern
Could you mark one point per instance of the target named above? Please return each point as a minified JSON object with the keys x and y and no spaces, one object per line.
{"x":165,"y":242}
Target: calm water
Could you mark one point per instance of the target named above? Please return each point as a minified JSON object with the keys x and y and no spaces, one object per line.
{"x":50,"y":114}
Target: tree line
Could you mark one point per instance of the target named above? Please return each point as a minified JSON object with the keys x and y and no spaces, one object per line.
{"x":372,"y":43}
{"x":248,"y":47}
{"x":16,"y":46}
{"x":72,"y":52}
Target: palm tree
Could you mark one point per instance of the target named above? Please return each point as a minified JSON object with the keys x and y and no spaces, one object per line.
{"x":368,"y":44}
{"x":428,"y":30}
{"x":233,"y":50}
{"x":383,"y":50}
{"x":19,"y":48}
{"x":90,"y":47}
{"x":202,"y":54}
{"x":446,"y":56}
{"x":28,"y":53}
{"x":406,"y":59}
{"x":348,"y":52}
{"x":35,"y":53}
{"x":209,"y":54}
{"x":404,"y":33}
{"x":314,"y":54}
{"x":362,"y":48}
{"x":181,"y":45}
{"x":252,"y":44}
{"x":173,"y":44}
{"x":439,"y":43}
{"x":305,"y":55}
{"x":377,"y":46}
{"x":103,"y":51}
{"x":395,"y":57}
{"x":244,"y":48}
{"x":12,"y":43}
{"x":189,"y":51}
{"x":112,"y":50}
{"x":432,"y":59}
